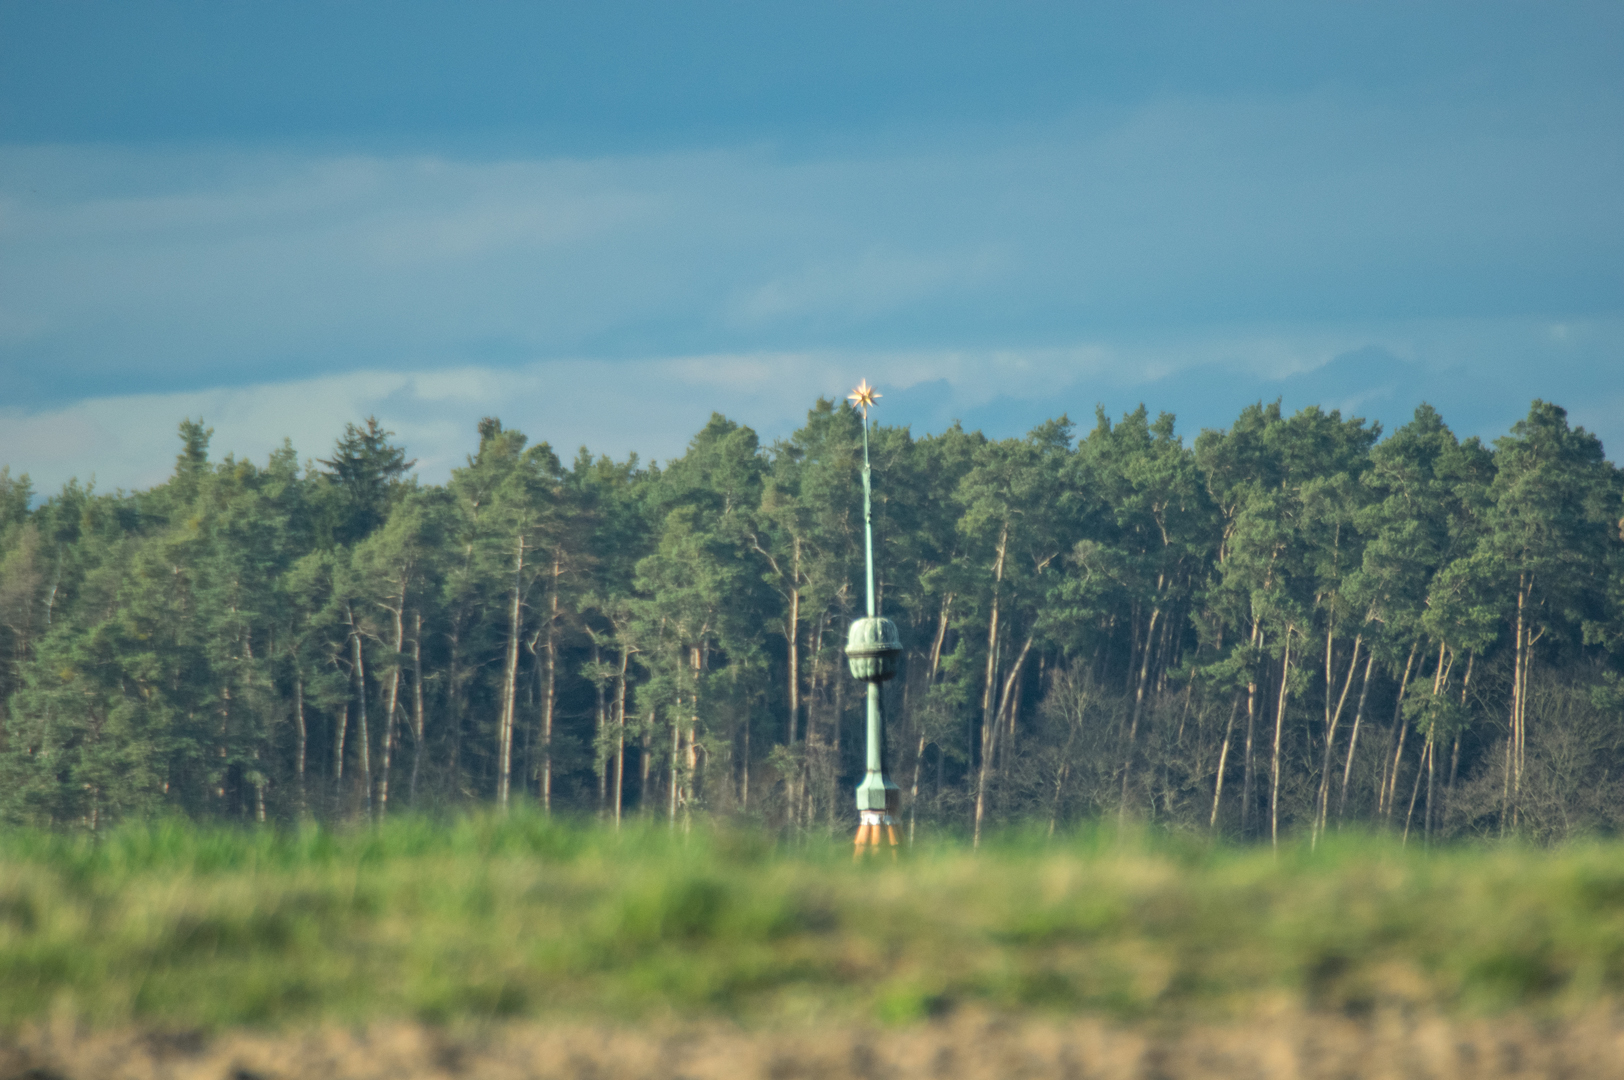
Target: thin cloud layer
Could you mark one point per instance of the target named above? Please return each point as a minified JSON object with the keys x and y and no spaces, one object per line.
{"x":226,"y":267}
{"x":653,"y":406}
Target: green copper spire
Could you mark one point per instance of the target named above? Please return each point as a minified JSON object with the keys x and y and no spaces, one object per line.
{"x":872,"y":649}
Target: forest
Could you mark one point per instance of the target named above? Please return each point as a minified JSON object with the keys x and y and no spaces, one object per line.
{"x":1290,"y":626}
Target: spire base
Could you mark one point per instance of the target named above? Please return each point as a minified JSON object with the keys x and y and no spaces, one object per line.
{"x":876,"y":828}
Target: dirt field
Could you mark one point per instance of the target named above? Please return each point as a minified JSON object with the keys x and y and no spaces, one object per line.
{"x":1283,"y":1047}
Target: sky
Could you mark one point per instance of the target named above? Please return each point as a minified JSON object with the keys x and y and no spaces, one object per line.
{"x":602,"y":222}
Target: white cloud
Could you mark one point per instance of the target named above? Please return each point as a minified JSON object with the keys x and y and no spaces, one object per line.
{"x":1480,"y":374}
{"x":651,"y":407}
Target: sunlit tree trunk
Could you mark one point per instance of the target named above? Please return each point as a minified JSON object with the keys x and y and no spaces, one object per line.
{"x":339,"y":731}
{"x":510,"y":683}
{"x":1279,"y":728}
{"x":1421,"y":768}
{"x":361,"y":733}
{"x":417,"y":702}
{"x":1333,"y":719}
{"x":392,"y":698}
{"x":600,"y":728}
{"x":792,"y":638}
{"x":1454,"y":753}
{"x":989,"y":743}
{"x":550,"y":694}
{"x":1353,"y":736}
{"x":930,"y":680}
{"x":989,"y":730}
{"x":1138,"y":705}
{"x":1248,"y":769}
{"x":645,"y":765}
{"x":676,"y":767}
{"x":1223,"y":762}
{"x":620,"y":734}
{"x":1389,"y":780}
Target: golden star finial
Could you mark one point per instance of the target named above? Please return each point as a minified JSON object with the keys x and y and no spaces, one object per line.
{"x":863,"y":397}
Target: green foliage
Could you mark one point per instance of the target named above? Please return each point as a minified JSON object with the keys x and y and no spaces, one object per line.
{"x":1290,"y":624}
{"x":174,"y":925}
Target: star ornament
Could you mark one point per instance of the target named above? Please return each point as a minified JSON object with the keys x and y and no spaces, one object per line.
{"x":863,"y":397}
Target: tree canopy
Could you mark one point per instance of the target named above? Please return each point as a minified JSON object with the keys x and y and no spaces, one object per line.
{"x":1289,"y":624}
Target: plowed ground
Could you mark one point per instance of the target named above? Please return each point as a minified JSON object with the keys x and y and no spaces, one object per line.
{"x":1286,"y":1046}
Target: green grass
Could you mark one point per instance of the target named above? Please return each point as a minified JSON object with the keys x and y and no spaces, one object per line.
{"x":176,"y":925}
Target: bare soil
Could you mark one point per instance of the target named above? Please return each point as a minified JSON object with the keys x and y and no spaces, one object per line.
{"x":1285,"y":1046}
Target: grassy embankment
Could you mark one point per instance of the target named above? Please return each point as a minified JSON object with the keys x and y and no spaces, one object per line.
{"x":174,"y":925}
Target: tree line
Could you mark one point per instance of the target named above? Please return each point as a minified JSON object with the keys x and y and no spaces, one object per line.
{"x":1291,"y":624}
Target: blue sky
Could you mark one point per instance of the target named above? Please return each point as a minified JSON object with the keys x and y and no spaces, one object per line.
{"x":603,"y":221}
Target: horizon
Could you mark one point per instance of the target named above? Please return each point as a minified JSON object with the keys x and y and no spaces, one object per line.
{"x":440,"y":475}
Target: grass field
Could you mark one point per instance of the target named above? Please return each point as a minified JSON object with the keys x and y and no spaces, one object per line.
{"x":176,"y":926}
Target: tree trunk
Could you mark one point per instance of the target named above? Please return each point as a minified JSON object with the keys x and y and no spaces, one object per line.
{"x":393,"y":700}
{"x":792,"y":637}
{"x":600,"y":729}
{"x":1353,"y":736}
{"x":1223,"y":761}
{"x":1523,"y":663}
{"x":989,"y":732}
{"x":620,"y":734}
{"x":1184,"y":714}
{"x":1274,"y":758}
{"x":455,"y":705}
{"x":1332,"y":720}
{"x":510,"y":684}
{"x":1163,"y":648}
{"x":989,"y":741}
{"x":990,"y":686}
{"x":1440,"y":683}
{"x":259,"y":797}
{"x":930,"y":680}
{"x":1432,"y":761}
{"x":1513,"y":761}
{"x":361,"y":712}
{"x":691,"y":786}
{"x":936,"y":643}
{"x":299,"y":720}
{"x":1247,"y":770}
{"x":1426,"y":757}
{"x":1138,"y":704}
{"x":339,"y":731}
{"x":691,"y":779}
{"x":417,"y":702}
{"x":551,"y":693}
{"x":1454,"y":753}
{"x":1007,"y":710}
{"x":989,"y":727}
{"x":645,"y":765}
{"x":1384,"y":802}
{"x":835,"y":744}
{"x":676,"y":766}
{"x":913,"y":789}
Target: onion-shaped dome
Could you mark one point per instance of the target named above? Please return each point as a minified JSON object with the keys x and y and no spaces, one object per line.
{"x":872,"y":649}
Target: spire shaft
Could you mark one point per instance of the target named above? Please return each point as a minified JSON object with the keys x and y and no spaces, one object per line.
{"x":868,"y":520}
